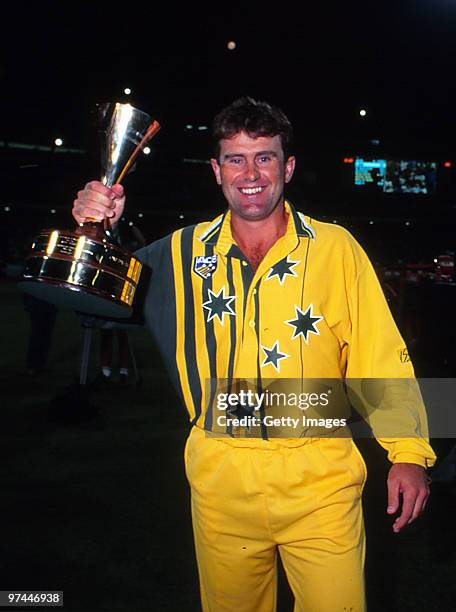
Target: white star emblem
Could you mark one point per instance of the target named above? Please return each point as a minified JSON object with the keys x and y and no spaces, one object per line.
{"x":282,"y":269}
{"x":273,"y":356}
{"x":218,"y":305}
{"x":305,"y":323}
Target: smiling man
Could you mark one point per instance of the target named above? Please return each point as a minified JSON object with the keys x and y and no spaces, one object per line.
{"x":252,"y":172}
{"x":265,"y":292}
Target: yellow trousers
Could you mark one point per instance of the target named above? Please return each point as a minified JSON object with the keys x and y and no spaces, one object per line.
{"x":304,"y":502}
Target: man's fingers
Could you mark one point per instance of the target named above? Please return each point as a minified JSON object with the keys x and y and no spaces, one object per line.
{"x":98,"y":187}
{"x":408,"y":504}
{"x":425,"y":501}
{"x":118,"y":190}
{"x":393,"y":496}
{"x":97,"y":202}
{"x":85,"y":213}
{"x":89,"y":196}
{"x":420,"y":504}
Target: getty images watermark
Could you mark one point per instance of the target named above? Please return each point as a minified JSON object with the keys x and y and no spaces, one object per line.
{"x":361,"y":407}
{"x":247,"y":408}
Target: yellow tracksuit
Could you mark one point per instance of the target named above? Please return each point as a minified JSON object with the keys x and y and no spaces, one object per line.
{"x":312,"y":309}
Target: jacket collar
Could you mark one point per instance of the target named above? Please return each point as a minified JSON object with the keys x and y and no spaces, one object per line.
{"x":219,"y":231}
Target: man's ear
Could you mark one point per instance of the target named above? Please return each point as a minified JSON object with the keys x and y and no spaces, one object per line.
{"x":216,"y":169}
{"x":289,"y":168}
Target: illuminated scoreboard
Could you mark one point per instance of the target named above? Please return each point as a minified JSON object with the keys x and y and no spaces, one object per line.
{"x":397,"y":176}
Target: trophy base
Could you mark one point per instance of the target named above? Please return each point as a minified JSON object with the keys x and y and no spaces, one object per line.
{"x":82,"y":271}
{"x":70,"y":297}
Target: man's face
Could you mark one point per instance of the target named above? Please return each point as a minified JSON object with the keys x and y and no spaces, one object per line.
{"x":252,"y":173}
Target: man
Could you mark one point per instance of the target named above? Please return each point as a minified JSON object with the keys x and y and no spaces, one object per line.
{"x":264,"y":292}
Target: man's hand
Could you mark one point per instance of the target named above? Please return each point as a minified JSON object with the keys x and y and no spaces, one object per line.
{"x":412,"y":482}
{"x":95,"y":202}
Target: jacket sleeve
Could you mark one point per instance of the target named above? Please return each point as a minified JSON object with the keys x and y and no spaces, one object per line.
{"x":380,"y":377}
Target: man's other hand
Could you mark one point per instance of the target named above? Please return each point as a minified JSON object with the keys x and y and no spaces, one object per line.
{"x":412,"y":483}
{"x":95,"y":202}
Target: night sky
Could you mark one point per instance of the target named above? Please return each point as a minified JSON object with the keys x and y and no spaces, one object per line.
{"x":321,"y":65}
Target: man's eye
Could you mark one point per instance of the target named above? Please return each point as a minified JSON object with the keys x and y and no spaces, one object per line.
{"x":235,"y":161}
{"x":264,"y":159}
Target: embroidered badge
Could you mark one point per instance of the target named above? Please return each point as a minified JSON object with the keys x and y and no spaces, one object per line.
{"x":205,"y":266}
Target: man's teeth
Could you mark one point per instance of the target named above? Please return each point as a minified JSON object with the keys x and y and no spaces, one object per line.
{"x":251,"y":190}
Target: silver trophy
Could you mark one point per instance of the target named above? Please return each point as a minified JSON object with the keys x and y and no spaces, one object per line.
{"x":84,"y":269}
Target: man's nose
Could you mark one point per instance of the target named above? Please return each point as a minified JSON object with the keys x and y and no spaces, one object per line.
{"x":252,"y":172}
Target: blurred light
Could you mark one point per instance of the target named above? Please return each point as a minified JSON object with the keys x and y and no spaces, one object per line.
{"x":124,"y":113}
{"x":58,"y":142}
{"x":52,"y":242}
{"x":202,"y":127}
{"x":407,"y":223}
{"x":130,"y":223}
{"x":127,"y":91}
{"x":79,"y":247}
{"x":348,"y":160}
{"x":231,"y":45}
{"x":7,"y":208}
{"x":140,"y":215}
{"x":363,"y":112}
{"x":371,"y":223}
{"x":447,"y":164}
{"x":53,"y":211}
{"x":146,"y":150}
{"x":375,"y":141}
{"x":334,"y":220}
{"x":191,"y":160}
{"x":189,"y":126}
{"x":435,"y":260}
{"x":181,"y":216}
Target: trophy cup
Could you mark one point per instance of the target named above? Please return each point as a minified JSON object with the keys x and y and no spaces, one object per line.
{"x":84,"y":269}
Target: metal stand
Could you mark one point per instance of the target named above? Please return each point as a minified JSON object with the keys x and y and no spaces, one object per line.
{"x":85,"y":354}
{"x":89,"y":324}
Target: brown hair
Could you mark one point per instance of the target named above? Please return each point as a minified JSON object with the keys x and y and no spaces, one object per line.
{"x":256,"y":118}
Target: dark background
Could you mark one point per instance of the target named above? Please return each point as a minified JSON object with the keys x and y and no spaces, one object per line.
{"x":81,"y":498}
{"x":321,"y":65}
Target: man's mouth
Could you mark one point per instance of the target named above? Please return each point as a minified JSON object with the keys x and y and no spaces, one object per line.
{"x":251,"y":190}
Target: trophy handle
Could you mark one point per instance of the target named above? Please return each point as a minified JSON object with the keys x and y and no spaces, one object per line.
{"x":152,"y":130}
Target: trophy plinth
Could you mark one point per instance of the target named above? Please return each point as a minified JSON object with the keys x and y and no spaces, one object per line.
{"x":84,"y":269}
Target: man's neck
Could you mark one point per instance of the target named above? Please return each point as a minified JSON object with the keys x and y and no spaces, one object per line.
{"x":255,"y":238}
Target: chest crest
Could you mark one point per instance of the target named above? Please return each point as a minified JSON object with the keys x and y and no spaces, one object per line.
{"x":205,"y":265}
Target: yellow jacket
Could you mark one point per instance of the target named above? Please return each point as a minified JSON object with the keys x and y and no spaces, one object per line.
{"x":313,"y":309}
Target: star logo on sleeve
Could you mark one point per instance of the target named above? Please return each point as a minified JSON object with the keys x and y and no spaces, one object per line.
{"x":305,"y":323}
{"x":273,"y":356}
{"x":218,"y":305}
{"x":281,"y":269}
